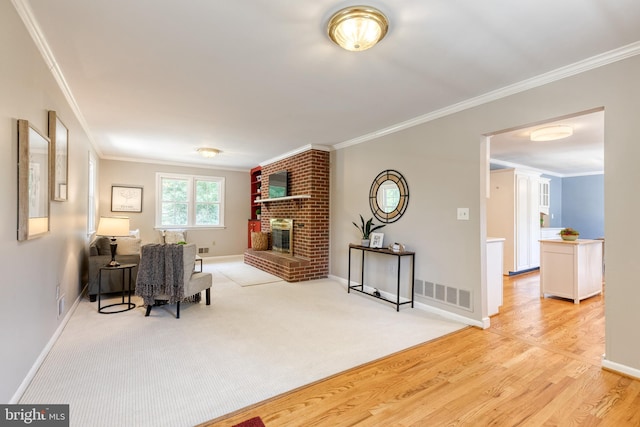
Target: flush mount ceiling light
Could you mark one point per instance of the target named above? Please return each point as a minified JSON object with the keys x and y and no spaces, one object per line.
{"x":208,"y":152}
{"x":357,"y":28}
{"x":551,"y":133}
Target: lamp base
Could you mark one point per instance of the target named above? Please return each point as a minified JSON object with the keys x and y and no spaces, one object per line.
{"x":113,"y":262}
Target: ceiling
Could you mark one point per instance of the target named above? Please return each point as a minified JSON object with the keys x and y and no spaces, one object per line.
{"x":153,"y":80}
{"x":579,"y":154}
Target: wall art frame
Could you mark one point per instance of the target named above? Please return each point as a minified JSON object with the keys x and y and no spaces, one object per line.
{"x":126,"y":198}
{"x":59,"y":167}
{"x":33,"y":182}
{"x":376,"y":240}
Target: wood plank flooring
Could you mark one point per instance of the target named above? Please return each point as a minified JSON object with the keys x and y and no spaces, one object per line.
{"x":538,"y":364}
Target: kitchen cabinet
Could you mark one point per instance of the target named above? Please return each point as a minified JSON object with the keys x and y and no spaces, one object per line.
{"x":513,"y":213}
{"x":544,"y":195}
{"x":571,"y":270}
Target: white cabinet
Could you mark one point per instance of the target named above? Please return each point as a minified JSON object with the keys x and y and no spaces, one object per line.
{"x":571,"y":269}
{"x":513,"y":213}
{"x":544,"y":195}
{"x":494,"y":274}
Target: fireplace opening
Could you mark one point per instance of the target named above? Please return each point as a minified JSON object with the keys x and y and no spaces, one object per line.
{"x":282,"y":235}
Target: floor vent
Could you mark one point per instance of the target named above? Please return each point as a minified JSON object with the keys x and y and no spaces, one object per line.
{"x":461,"y":298}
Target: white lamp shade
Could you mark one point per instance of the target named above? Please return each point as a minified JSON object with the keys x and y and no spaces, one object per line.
{"x":113,"y":226}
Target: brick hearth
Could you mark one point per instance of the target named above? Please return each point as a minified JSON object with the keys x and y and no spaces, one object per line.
{"x":308,"y":175}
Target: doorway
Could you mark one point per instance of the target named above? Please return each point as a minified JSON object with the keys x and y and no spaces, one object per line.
{"x":568,"y":175}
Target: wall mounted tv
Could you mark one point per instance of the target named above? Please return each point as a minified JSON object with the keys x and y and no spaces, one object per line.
{"x":278,"y":184}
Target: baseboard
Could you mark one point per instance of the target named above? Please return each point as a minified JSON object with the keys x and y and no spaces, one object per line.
{"x":36,"y":366}
{"x":428,"y":308}
{"x":620,"y":368}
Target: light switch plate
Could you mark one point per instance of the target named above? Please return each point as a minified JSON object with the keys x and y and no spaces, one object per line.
{"x":463,"y":214}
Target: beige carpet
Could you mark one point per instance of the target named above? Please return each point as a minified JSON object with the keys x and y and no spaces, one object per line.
{"x":252,"y":343}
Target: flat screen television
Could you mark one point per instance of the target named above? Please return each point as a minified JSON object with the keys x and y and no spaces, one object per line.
{"x":278,"y":184}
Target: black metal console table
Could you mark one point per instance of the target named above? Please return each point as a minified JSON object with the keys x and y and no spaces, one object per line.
{"x":399,"y":255}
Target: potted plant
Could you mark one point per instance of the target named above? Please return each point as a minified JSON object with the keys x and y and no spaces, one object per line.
{"x":366,"y":228}
{"x":258,"y":213}
{"x":569,"y":234}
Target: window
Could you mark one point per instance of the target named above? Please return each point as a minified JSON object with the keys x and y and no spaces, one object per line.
{"x":189,"y":201}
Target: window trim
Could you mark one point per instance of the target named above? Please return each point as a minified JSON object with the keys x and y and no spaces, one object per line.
{"x":191,"y":200}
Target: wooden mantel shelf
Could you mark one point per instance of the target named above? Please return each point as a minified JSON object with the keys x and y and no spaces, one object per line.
{"x":277,"y":199}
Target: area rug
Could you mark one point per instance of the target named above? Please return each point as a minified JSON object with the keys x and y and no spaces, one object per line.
{"x":246,"y":275}
{"x":252,"y":422}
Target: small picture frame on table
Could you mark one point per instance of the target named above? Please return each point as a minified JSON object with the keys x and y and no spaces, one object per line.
{"x":376,"y":240}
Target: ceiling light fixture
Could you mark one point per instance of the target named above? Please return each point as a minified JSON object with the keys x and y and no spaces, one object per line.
{"x":357,"y":28}
{"x":551,"y":133}
{"x":208,"y":152}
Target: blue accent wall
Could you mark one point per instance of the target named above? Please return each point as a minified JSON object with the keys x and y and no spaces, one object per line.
{"x":583,"y":205}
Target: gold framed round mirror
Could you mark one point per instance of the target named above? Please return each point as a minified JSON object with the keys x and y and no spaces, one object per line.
{"x":389,"y":196}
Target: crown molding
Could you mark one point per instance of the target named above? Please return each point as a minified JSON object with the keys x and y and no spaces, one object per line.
{"x":33,"y":28}
{"x":297,"y":151}
{"x":541,"y":171}
{"x":597,"y":61}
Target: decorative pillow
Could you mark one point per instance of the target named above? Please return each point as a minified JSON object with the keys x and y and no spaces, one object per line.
{"x":128,"y":246}
{"x":103,"y":245}
{"x":134,"y":233}
{"x":174,"y":236}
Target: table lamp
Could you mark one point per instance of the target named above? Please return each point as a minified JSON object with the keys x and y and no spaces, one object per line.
{"x":113,"y":227}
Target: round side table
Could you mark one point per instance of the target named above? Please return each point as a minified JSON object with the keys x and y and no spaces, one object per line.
{"x":128,"y":304}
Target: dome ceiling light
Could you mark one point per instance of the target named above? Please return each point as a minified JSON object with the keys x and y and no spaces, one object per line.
{"x":208,"y":152}
{"x":551,"y":133}
{"x":357,"y":28}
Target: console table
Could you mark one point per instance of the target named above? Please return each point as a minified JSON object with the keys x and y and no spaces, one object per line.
{"x":399,"y":256}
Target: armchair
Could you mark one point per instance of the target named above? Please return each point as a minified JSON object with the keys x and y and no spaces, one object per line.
{"x":166,"y":273}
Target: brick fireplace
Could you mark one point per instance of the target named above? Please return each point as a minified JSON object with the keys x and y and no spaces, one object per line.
{"x":308,"y":175}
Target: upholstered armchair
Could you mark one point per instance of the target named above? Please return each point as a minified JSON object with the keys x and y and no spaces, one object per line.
{"x":166,"y":274}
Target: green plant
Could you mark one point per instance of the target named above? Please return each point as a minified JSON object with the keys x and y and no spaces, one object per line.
{"x":257,"y":211}
{"x":569,"y":232}
{"x":366,"y":228}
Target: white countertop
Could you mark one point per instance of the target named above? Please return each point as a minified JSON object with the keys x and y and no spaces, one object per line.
{"x":574,"y":242}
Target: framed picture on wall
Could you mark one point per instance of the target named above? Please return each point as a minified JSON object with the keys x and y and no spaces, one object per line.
{"x":376,"y":240}
{"x":126,"y":199}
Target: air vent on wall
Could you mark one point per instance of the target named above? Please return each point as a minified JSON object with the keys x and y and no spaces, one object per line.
{"x":450,"y":295}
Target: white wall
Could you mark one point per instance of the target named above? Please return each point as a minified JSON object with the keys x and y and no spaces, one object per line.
{"x":31,"y":270}
{"x":231,"y":240}
{"x":444,"y":165}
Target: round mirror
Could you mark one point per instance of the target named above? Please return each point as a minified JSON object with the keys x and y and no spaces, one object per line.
{"x":389,"y":196}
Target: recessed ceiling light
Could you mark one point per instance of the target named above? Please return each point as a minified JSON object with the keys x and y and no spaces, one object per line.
{"x":357,"y":28}
{"x":551,"y":133}
{"x":208,"y":152}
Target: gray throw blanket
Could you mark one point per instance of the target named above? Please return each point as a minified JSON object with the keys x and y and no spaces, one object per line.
{"x":160,"y":273}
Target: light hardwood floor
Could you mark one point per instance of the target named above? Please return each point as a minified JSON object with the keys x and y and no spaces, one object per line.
{"x":538,"y":364}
